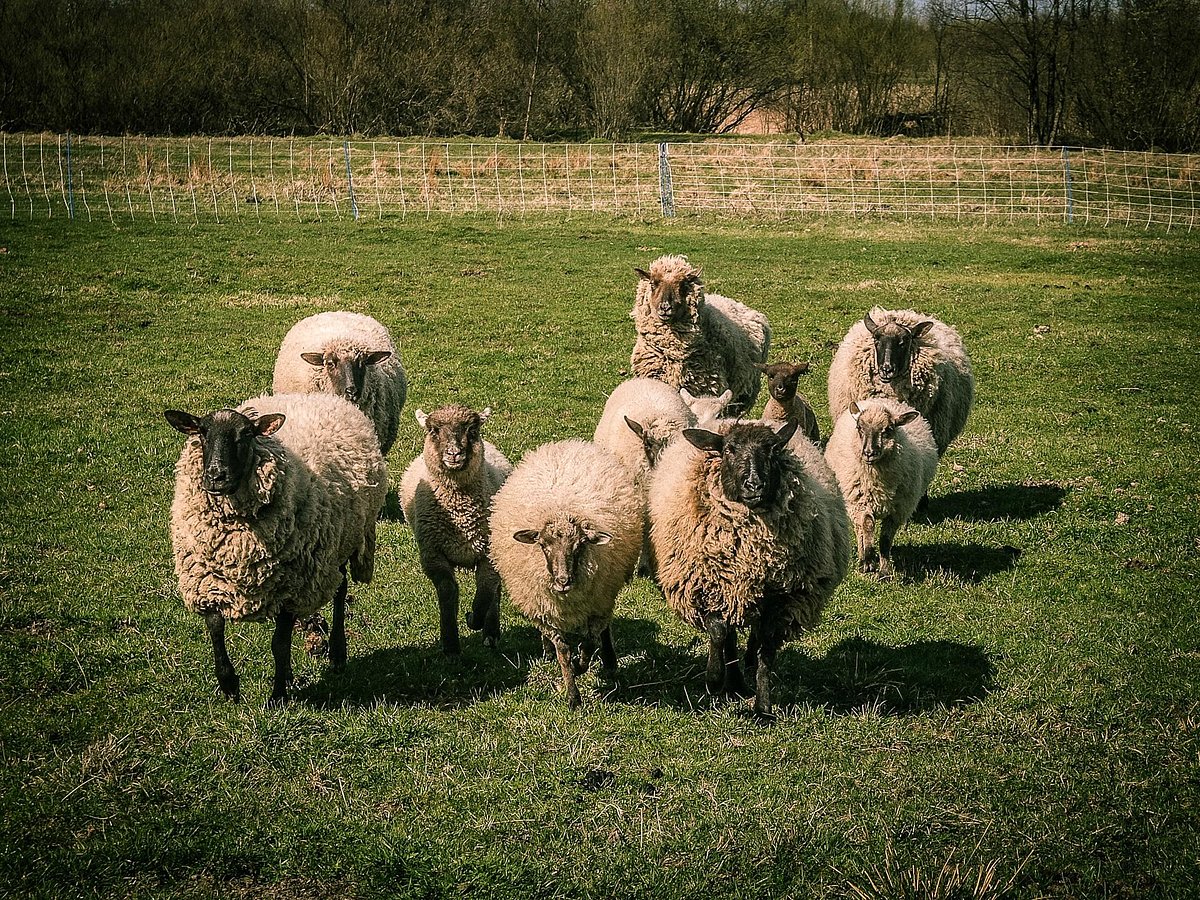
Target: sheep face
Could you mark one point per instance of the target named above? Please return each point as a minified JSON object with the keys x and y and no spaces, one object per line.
{"x":563,"y":541}
{"x":654,"y":440}
{"x":706,"y":407}
{"x":226,"y":444}
{"x":782,"y":379}
{"x":877,"y":430}
{"x":675,"y":294}
{"x":452,"y":433}
{"x":346,"y":370}
{"x":750,"y":457}
{"x":894,"y":345}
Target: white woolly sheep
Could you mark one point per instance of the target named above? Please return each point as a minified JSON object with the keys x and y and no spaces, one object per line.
{"x":705,"y":343}
{"x":908,"y":357}
{"x":566,"y":533}
{"x":707,"y":408}
{"x":784,"y":404}
{"x":640,"y":417}
{"x":747,"y":534}
{"x":884,"y":456}
{"x":446,"y":494}
{"x":350,"y":355}
{"x":273,"y":501}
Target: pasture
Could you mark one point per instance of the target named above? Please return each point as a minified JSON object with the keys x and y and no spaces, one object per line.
{"x":1017,"y":715}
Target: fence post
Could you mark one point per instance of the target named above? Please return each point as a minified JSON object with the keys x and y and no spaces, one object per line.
{"x":1067,"y":177}
{"x":665,"y":192}
{"x":70,"y":185}
{"x":350,"y":181}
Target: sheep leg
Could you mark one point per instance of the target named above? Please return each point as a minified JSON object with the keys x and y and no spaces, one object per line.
{"x":587,"y":649}
{"x":865,"y":527}
{"x":446,"y":586}
{"x":608,"y":654}
{"x":715,"y":675}
{"x":734,"y":682}
{"x":887,"y":534}
{"x":750,"y":660}
{"x":485,"y":610}
{"x":337,"y":634}
{"x":281,"y":649}
{"x":227,"y":676}
{"x":547,"y":647}
{"x":767,"y":649}
{"x":563,"y":651}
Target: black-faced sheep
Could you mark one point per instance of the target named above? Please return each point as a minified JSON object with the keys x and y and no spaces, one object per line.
{"x":784,"y":404}
{"x":349,"y":355}
{"x":748,"y":534}
{"x":566,"y":534}
{"x":908,"y":357}
{"x":273,"y":501}
{"x":884,"y":457}
{"x":446,"y":493}
{"x":705,"y":343}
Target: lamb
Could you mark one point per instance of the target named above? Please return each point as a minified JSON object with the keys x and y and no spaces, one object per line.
{"x":350,"y":355}
{"x":567,"y":531}
{"x":640,"y":417}
{"x":273,"y":500}
{"x":689,"y":340}
{"x":446,"y":494}
{"x":747,"y":534}
{"x":784,"y":404}
{"x":908,"y":357}
{"x":707,"y":408}
{"x":884,"y":457}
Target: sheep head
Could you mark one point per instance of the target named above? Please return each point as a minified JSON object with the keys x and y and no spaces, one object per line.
{"x":894,"y":346}
{"x":563,"y":540}
{"x":672,"y":290}
{"x":782,"y":378}
{"x":877,"y":429}
{"x":345,"y":368}
{"x":706,"y":407}
{"x":452,"y":437}
{"x":226,"y":444}
{"x":751,"y":459}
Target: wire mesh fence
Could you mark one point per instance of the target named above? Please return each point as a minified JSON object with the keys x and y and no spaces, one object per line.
{"x":190,"y":180}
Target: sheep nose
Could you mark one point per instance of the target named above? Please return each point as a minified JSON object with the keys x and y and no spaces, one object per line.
{"x":561,"y":583}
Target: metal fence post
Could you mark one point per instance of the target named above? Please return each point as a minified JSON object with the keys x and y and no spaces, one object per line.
{"x":350,"y":181}
{"x":1067,"y":177}
{"x":70,"y":184}
{"x":665,"y":191}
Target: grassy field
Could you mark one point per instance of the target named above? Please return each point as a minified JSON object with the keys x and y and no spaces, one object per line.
{"x":1019,"y":714}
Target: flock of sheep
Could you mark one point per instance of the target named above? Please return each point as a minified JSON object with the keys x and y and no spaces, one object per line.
{"x":743,"y":524}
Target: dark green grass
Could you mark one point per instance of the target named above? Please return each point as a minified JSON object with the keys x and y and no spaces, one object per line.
{"x":1018,"y":713}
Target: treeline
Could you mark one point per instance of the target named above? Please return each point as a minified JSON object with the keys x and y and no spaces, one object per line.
{"x":1124,"y":73}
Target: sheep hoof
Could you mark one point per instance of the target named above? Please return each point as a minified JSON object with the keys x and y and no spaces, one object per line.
{"x":472,"y":622}
{"x":276,"y":702}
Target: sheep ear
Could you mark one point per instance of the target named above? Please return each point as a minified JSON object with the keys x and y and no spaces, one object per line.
{"x":907,"y":417}
{"x":378,"y":356}
{"x":421,"y":417}
{"x":707,"y":441}
{"x":313,"y":359}
{"x":855,"y":409}
{"x":596,"y":537}
{"x":642,"y":274}
{"x":870,"y":323}
{"x":686,"y":395}
{"x":803,"y":367}
{"x":762,"y":367}
{"x":920,"y":328}
{"x":526,"y":536}
{"x":269,"y":424}
{"x":726,"y":395}
{"x":784,"y":434}
{"x":182,"y":421}
{"x":636,"y":427}
{"x":485,"y":415}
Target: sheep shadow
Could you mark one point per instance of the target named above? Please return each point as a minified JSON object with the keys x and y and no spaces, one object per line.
{"x":653,"y":673}
{"x":972,"y":563}
{"x":392,"y":510}
{"x":859,"y":675}
{"x":994,"y":503}
{"x":422,"y":674}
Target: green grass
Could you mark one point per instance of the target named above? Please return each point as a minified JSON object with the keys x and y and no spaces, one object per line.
{"x":1018,"y":714}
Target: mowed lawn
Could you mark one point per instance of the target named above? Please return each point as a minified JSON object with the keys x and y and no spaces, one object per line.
{"x":1017,"y":715}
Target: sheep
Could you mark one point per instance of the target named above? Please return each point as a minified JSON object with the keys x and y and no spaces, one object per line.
{"x":273,"y":500}
{"x":350,"y":355}
{"x":446,"y":494}
{"x":706,"y":408}
{"x":689,"y":340}
{"x":884,"y":457}
{"x":640,"y":417}
{"x":566,"y":534}
{"x":908,"y":357}
{"x":784,"y":404}
{"x":747,"y":534}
